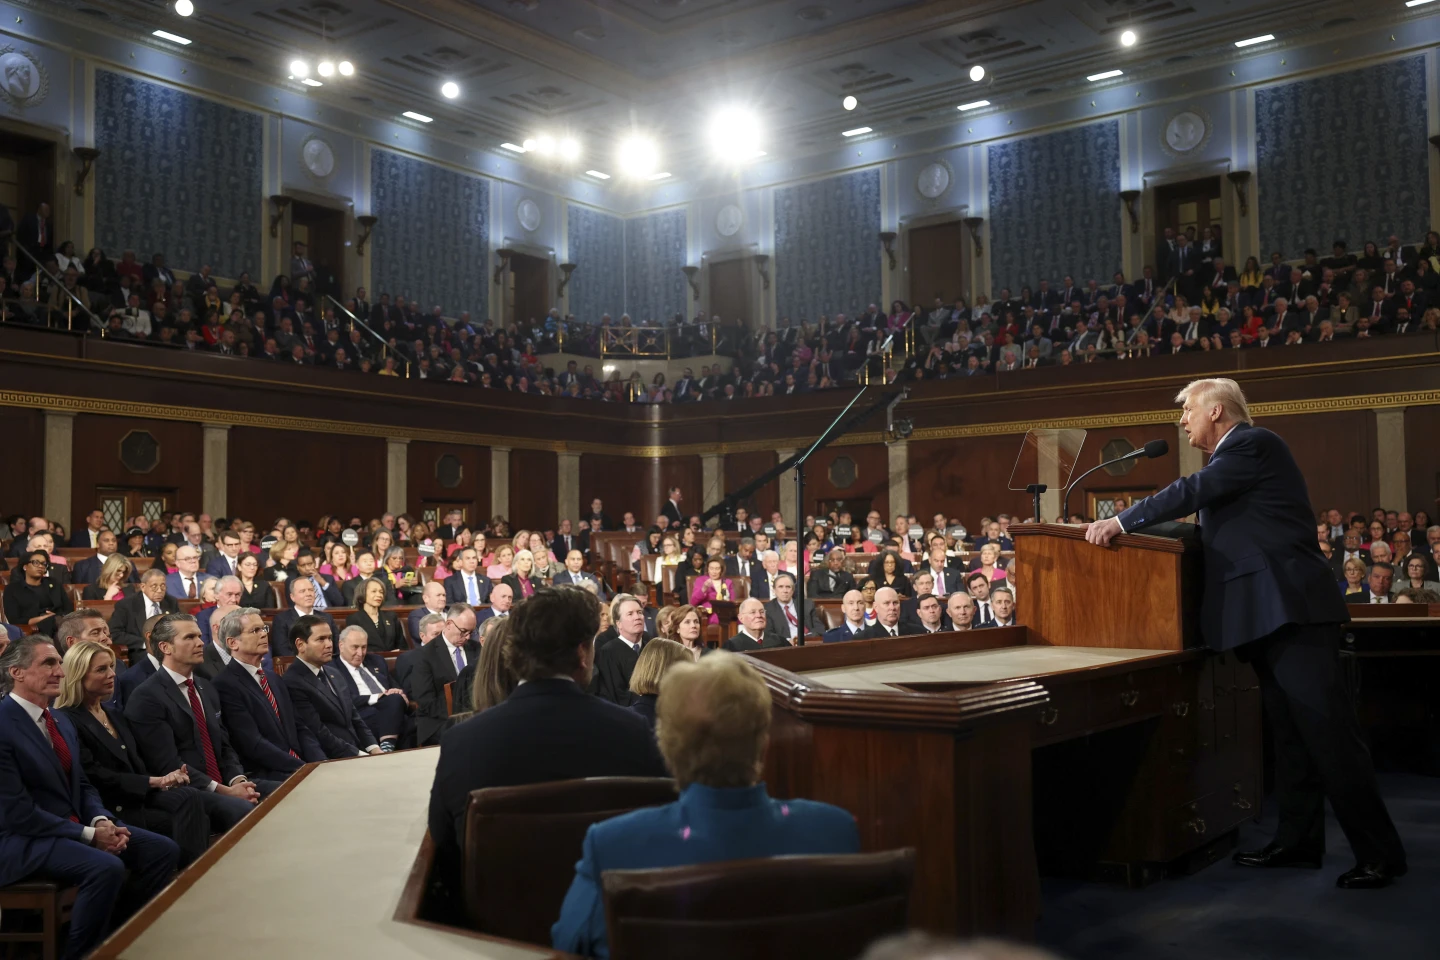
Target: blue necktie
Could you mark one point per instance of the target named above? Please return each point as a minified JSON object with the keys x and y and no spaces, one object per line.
{"x":470,"y":590}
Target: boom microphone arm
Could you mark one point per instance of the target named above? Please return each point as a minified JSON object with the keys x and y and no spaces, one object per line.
{"x":1151,"y":450}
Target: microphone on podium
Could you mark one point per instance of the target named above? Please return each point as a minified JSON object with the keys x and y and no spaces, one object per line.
{"x":1151,"y":450}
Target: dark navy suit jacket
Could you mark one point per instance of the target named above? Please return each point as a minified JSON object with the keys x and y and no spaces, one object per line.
{"x":36,"y":798}
{"x":1263,"y":567}
{"x":705,"y":825}
{"x":840,"y":634}
{"x":263,"y":742}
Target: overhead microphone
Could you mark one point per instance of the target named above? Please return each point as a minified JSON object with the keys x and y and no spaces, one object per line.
{"x":1151,"y":450}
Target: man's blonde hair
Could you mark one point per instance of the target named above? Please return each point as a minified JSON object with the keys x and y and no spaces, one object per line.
{"x":713,"y":721}
{"x":1219,"y":390}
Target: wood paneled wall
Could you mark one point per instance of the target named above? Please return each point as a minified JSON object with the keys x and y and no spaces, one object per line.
{"x":741,"y":468}
{"x":422,"y":488}
{"x":637,"y":485}
{"x":965,"y":479}
{"x":21,"y":480}
{"x":1144,"y":475}
{"x":534,"y":488}
{"x":97,"y":461}
{"x":872,"y":480}
{"x":287,"y":473}
{"x":1422,"y":459}
{"x":1337,"y":454}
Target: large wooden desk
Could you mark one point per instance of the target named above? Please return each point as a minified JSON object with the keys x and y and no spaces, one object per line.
{"x":1090,"y":741}
{"x":318,"y":871}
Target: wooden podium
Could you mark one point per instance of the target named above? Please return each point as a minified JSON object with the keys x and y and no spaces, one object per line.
{"x":1095,"y":739}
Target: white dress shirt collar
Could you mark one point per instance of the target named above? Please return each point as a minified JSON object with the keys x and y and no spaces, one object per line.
{"x":179,"y":679}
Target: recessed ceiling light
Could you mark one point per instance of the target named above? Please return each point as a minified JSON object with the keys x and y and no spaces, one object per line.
{"x":637,"y":156}
{"x":734,"y":134}
{"x":184,"y":8}
{"x":346,"y":68}
{"x":1417,"y":3}
{"x":173,"y":38}
{"x":311,"y":82}
{"x":1254,"y":40}
{"x":450,"y":89}
{"x":326,"y":68}
{"x":977,"y":73}
{"x":418,"y":116}
{"x":299,"y":68}
{"x":569,"y":148}
{"x":658,"y":176}
{"x":973,"y":105}
{"x":597,"y":174}
{"x":1104,"y":76}
{"x":1128,"y":38}
{"x":849,"y":103}
{"x":512,"y":147}
{"x":856,"y":132}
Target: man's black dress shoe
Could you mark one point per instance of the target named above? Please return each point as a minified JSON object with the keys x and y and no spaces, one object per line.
{"x":1277,"y":856}
{"x":1370,"y":876}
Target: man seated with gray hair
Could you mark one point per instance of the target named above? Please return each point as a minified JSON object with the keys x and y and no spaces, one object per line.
{"x":426,"y":629}
{"x":364,"y":678}
{"x":257,"y":711}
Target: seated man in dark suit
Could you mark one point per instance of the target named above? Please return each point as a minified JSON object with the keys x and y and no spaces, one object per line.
{"x":548,"y":729}
{"x":753,"y":635}
{"x":831,"y":580}
{"x":88,"y":569}
{"x":887,"y":616}
{"x":327,"y":591}
{"x":960,"y":610}
{"x":427,"y":630}
{"x":131,"y":613}
{"x":724,"y":811}
{"x":574,"y":573}
{"x":853,"y":606}
{"x":320,"y":706}
{"x":52,"y":824}
{"x":89,"y":535}
{"x":302,"y":604}
{"x":257,"y":711}
{"x":432,"y":600}
{"x":1002,"y":604}
{"x":176,"y":718}
{"x":87,"y":624}
{"x":616,"y":657}
{"x":782,"y":619}
{"x":141,"y":668}
{"x":744,"y":562}
{"x":468,"y":583}
{"x":1377,"y":587}
{"x":378,"y":700}
{"x":438,"y":665}
{"x":929,"y":616}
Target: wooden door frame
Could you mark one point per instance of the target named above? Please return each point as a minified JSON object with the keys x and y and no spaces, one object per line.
{"x":758,"y":296}
{"x":1238,"y":240}
{"x":71,"y":217}
{"x":352,"y":270}
{"x":529,"y":250}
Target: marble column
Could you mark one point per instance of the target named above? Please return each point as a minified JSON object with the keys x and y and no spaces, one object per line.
{"x":1191,"y":458}
{"x":712,"y":479}
{"x":1390,"y":448}
{"x":500,"y":482}
{"x":397,"y":475}
{"x":787,"y":487}
{"x":59,"y":466}
{"x":898,"y":455}
{"x":215,"y":469}
{"x":567,"y":490}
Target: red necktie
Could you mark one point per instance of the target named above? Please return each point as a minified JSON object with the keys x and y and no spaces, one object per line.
{"x":265,"y":689}
{"x":212,"y":769}
{"x":62,"y":749}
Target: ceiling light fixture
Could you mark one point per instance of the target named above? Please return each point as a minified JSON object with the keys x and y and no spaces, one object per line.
{"x":512,"y":147}
{"x":347,"y":69}
{"x":418,"y":116}
{"x":1417,"y":3}
{"x":973,"y":105}
{"x":1105,"y":76}
{"x":173,"y":38}
{"x":850,"y":103}
{"x":856,"y":132}
{"x":569,"y":148}
{"x":1128,"y":38}
{"x":310,"y":82}
{"x":597,"y":174}
{"x":449,"y":89}
{"x":299,"y":68}
{"x":977,"y":73}
{"x":184,"y":8}
{"x":1254,"y":40}
{"x":325,"y":68}
{"x":734,"y":135}
{"x":637,"y":156}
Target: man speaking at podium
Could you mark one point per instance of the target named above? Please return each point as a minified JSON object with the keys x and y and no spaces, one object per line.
{"x":1270,"y":596}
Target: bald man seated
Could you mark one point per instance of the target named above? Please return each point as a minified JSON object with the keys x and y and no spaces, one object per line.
{"x":887,"y":616}
{"x":853,"y":606}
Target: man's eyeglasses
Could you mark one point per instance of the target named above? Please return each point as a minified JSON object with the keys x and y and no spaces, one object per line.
{"x":464,"y":634}
{"x":263,"y":629}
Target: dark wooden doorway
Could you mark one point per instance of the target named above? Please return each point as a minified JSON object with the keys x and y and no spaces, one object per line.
{"x":322,"y":230}
{"x":732,"y":290}
{"x":1193,"y":204}
{"x":27,"y":179}
{"x":529,"y":293}
{"x":937,"y":263}
{"x":118,"y":505}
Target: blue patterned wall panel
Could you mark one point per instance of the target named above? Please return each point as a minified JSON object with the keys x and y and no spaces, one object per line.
{"x":433,"y":239}
{"x":827,"y":249}
{"x":1343,"y":157}
{"x":177,"y":175}
{"x":1055,"y":207}
{"x":655,"y":249}
{"x":596,"y":244}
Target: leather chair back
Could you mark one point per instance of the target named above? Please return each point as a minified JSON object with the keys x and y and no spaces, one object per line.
{"x":832,"y":611}
{"x":742,"y":587}
{"x":522,"y":843}
{"x":778,"y":907}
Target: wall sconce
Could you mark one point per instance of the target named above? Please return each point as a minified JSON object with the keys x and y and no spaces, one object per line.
{"x":1238,"y":179}
{"x":762,"y":260}
{"x":1130,"y":196}
{"x":87,"y":156}
{"x":887,"y":240}
{"x":566,"y":269}
{"x":690,"y":274}
{"x":504,"y":256}
{"x":281,"y":204}
{"x":367,"y":224}
{"x":974,"y":224}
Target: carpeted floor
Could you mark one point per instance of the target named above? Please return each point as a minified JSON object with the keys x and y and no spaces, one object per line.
{"x":1226,"y":912}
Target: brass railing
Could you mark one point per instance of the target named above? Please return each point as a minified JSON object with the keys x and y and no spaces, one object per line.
{"x":385,"y":349}
{"x":71,"y":300}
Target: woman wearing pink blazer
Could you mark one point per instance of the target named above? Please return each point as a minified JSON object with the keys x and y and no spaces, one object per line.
{"x":713,"y":586}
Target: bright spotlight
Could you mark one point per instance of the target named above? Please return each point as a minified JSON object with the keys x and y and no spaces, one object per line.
{"x":977,"y":73}
{"x":300,"y":68}
{"x":1128,"y":38}
{"x":450,"y":89}
{"x":326,"y":68}
{"x":347,"y":69}
{"x":735,"y":134}
{"x":570,"y":148}
{"x":637,"y":156}
{"x":849,"y":103}
{"x":545,"y":144}
{"x":184,"y":8}
{"x":528,"y":144}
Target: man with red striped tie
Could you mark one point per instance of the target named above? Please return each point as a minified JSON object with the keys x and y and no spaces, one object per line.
{"x":52,"y":825}
{"x":176,"y":716}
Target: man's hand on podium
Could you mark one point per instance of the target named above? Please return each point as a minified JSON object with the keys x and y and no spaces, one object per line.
{"x":1103,"y":531}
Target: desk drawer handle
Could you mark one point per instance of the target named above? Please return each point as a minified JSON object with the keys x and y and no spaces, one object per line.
{"x":1049,"y":715}
{"x":1197,"y":825}
{"x":1129,"y":697}
{"x":1241,"y":803}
